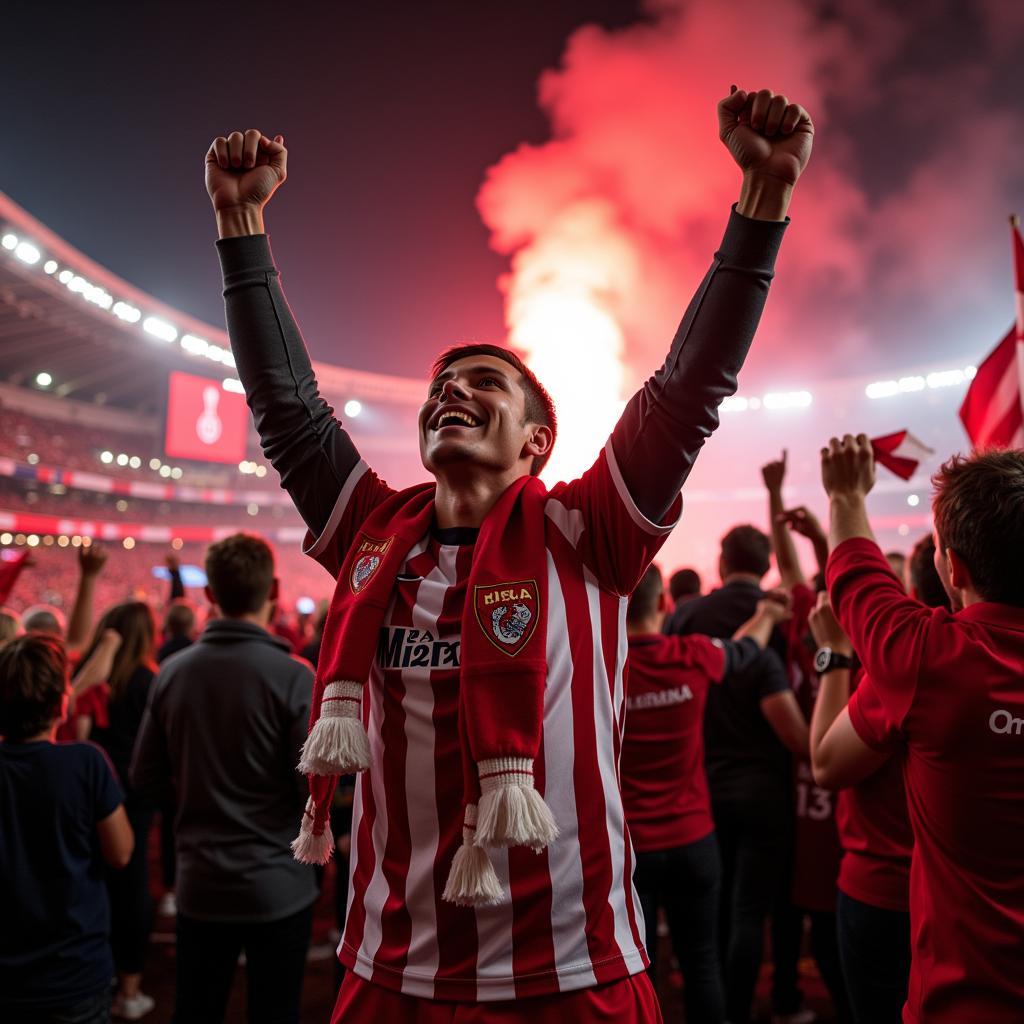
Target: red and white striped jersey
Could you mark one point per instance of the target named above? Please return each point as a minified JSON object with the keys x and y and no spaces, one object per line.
{"x":571,"y":919}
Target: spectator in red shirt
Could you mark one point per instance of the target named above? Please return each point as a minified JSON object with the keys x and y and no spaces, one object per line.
{"x":874,"y":878}
{"x":664,"y":788}
{"x":808,"y":887}
{"x":951,"y":685}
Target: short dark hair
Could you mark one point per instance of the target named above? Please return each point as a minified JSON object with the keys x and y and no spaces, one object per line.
{"x":240,"y":572}
{"x":33,"y":681}
{"x":643,"y":602}
{"x":538,"y":409}
{"x":180,"y":619}
{"x":684,"y":583}
{"x":979,"y":513}
{"x":747,"y":549}
{"x":924,"y":577}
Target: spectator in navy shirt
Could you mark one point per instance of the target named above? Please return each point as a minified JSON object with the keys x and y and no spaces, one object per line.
{"x":62,"y":819}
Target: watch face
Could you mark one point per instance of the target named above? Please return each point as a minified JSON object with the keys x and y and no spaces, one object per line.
{"x":822,"y":659}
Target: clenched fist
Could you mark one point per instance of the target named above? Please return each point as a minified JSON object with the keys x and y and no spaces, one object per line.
{"x":766,"y":134}
{"x":242,"y":172}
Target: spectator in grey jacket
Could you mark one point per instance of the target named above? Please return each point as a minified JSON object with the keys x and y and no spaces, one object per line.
{"x":225,"y":721}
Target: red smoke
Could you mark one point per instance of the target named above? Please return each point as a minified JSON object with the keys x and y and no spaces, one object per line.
{"x":896,"y":254}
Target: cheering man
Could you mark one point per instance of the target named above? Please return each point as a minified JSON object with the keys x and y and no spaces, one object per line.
{"x":472,"y":664}
{"x":949,"y":687}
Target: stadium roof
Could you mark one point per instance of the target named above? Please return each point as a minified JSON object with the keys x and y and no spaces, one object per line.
{"x":103,"y":340}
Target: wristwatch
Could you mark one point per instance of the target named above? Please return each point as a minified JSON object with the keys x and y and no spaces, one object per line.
{"x":826,"y":660}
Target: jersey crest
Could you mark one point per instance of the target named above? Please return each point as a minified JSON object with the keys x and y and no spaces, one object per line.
{"x":508,"y":613}
{"x":368,"y":555}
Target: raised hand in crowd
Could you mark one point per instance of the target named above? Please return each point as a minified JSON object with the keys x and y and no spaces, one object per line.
{"x":786,"y":559}
{"x":825,"y":627}
{"x":91,"y":559}
{"x":848,"y":474}
{"x":803,"y":521}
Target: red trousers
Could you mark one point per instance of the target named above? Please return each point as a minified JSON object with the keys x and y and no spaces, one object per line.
{"x":629,"y":1001}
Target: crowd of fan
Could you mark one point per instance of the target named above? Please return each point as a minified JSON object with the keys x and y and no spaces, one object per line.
{"x":776,"y":856}
{"x":78,"y":446}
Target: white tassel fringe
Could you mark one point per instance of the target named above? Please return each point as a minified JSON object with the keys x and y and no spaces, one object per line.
{"x":472,"y":881}
{"x":337,"y":744}
{"x":309,"y":848}
{"x":514,"y":814}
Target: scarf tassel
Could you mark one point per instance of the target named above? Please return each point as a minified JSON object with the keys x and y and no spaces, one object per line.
{"x":337,"y":744}
{"x":309,"y":846}
{"x":512,"y":812}
{"x":472,"y":881}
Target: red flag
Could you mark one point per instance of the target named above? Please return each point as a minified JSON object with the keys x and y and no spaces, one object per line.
{"x":993,"y":409}
{"x":900,"y":452}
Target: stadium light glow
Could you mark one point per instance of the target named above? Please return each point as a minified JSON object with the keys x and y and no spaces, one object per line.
{"x":63,"y":540}
{"x":176,"y":473}
{"x":734,"y":403}
{"x":106,"y":457}
{"x":233,"y":384}
{"x":43,"y":379}
{"x":122,"y":459}
{"x":787,"y":399}
{"x":6,"y":538}
{"x":154,"y":463}
{"x":159,"y":328}
{"x":50,"y":266}
{"x":126,"y":312}
{"x":64,"y":276}
{"x":27,"y":253}
{"x":261,"y":471}
{"x":196,"y":345}
{"x":128,"y":543}
{"x":916,"y":382}
{"x":9,"y":241}
{"x":913,"y":500}
{"x":135,"y":462}
{"x":353,"y":407}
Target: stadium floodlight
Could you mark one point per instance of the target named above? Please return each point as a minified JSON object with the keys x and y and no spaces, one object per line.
{"x":176,"y":473}
{"x":165,"y":471}
{"x":106,"y":457}
{"x":126,"y":312}
{"x":122,"y":459}
{"x":159,"y":328}
{"x":261,"y":470}
{"x":63,"y":540}
{"x":135,"y":462}
{"x":196,"y":345}
{"x":65,"y":276}
{"x":913,"y":500}
{"x":154,"y":463}
{"x":128,"y":543}
{"x":6,"y":538}
{"x":33,"y":540}
{"x":233,"y":384}
{"x":353,"y":407}
{"x":27,"y":253}
{"x":734,"y":403}
{"x":252,"y":508}
{"x":43,"y":379}
{"x":50,"y":267}
{"x":9,"y":241}
{"x":909,"y":384}
{"x":787,"y":399}
{"x":882,"y":389}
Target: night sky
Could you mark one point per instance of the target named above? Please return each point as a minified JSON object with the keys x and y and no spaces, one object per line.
{"x":391,"y":111}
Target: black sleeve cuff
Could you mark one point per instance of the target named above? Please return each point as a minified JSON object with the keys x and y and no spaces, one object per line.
{"x":751,"y":243}
{"x":245,"y":253}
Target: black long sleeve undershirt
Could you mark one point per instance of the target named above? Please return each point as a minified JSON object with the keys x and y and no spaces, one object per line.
{"x":656,"y":440}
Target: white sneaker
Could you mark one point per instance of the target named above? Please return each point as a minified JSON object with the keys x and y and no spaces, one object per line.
{"x":134,"y":1008}
{"x":168,"y":905}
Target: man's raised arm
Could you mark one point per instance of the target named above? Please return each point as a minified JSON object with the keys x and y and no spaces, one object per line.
{"x":298,"y":431}
{"x":664,"y":425}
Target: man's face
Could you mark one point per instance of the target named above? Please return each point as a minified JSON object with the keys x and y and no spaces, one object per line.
{"x":474,"y":415}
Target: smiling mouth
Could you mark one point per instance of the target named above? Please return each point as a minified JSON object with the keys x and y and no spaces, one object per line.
{"x":456,"y":418}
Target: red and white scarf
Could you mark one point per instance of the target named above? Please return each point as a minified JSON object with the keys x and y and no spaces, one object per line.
{"x":502,"y":678}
